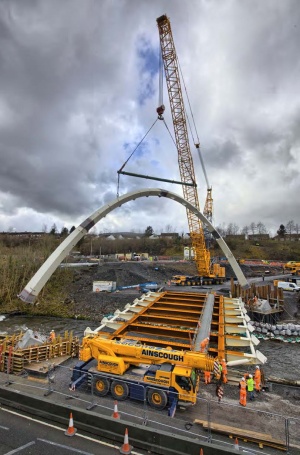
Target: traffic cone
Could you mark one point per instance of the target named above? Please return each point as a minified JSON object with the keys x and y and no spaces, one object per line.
{"x":126,"y":448}
{"x":116,"y":414}
{"x":201,"y":452}
{"x":236,"y":444}
{"x":71,"y":430}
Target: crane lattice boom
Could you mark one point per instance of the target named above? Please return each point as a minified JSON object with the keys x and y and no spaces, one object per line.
{"x":185,"y":161}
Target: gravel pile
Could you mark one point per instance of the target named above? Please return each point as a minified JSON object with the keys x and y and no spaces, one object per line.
{"x":96,"y":305}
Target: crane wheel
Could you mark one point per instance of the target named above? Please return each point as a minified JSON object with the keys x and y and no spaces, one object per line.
{"x":157,"y":399}
{"x":101,"y":387}
{"x":119,"y":390}
{"x":188,"y":283}
{"x":182,"y":283}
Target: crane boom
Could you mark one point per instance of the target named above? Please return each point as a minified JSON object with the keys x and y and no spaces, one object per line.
{"x":185,"y":161}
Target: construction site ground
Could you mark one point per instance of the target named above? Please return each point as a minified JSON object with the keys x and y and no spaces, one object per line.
{"x":96,"y":305}
{"x":266,"y":416}
{"x":279,"y":400}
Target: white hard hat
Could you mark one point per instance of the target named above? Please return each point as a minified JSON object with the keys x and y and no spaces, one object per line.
{"x":52,"y":330}
{"x":243,"y":379}
{"x":208,"y":338}
{"x":250,"y":375}
{"x":257,"y":366}
{"x":224,"y":360}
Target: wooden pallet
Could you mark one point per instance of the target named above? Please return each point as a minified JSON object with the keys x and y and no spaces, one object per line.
{"x":262,"y":439}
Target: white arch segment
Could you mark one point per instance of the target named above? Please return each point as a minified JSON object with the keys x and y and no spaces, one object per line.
{"x":32,"y":289}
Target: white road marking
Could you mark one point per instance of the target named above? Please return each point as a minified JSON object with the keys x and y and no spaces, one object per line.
{"x":3,"y":428}
{"x":64,"y":447}
{"x":62,"y":429}
{"x":20,"y":448}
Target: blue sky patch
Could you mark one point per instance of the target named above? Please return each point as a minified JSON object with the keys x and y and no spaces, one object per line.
{"x":148,"y":65}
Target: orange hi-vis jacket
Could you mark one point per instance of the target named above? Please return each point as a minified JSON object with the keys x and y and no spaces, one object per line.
{"x":257,"y":379}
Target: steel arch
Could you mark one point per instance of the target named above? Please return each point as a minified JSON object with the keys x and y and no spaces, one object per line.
{"x":38,"y":281}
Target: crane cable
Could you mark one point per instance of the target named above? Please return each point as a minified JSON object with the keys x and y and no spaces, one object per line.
{"x":122,"y":167}
{"x":161,"y":103}
{"x":190,"y":128}
{"x":160,"y":79}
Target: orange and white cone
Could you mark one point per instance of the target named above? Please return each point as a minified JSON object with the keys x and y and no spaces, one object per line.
{"x":236,"y":444}
{"x":126,"y":448}
{"x":116,"y":414}
{"x":71,"y":430}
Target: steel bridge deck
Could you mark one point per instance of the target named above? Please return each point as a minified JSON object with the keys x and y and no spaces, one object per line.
{"x":182,"y":319}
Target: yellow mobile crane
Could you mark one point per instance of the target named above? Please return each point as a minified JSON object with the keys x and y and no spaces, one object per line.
{"x":129,"y":369}
{"x":207,"y":274}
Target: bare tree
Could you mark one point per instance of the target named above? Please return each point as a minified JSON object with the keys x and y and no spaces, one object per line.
{"x":253,"y":228}
{"x":290,"y":227}
{"x":261,"y":228}
{"x":232,"y":229}
{"x":245,"y":230}
{"x":169,"y":228}
{"x":222,"y":229}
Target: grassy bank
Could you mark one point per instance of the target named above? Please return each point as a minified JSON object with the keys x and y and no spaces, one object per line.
{"x":20,"y":260}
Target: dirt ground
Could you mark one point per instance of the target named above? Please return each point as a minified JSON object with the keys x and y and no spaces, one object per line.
{"x":96,"y":305}
{"x":283,"y":358}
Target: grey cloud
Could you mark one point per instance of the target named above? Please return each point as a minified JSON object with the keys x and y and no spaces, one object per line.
{"x":70,"y":81}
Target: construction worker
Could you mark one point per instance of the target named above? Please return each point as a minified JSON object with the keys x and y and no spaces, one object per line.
{"x":257,"y":379}
{"x":204,"y":344}
{"x":224,"y":371}
{"x":52,"y":336}
{"x":250,"y":386}
{"x":243,"y":392}
{"x":220,"y":372}
{"x":207,"y":377}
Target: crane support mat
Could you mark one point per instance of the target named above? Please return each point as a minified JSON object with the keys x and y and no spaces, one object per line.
{"x":246,"y":435}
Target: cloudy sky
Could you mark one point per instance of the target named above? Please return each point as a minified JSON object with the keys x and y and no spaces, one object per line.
{"x":79,"y":87}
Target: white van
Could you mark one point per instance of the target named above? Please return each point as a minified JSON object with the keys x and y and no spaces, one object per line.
{"x":286,"y":286}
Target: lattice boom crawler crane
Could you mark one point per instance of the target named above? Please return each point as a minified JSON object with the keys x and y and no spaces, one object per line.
{"x":206,"y":273}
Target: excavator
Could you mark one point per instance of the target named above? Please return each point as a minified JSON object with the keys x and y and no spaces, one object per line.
{"x":207,"y":273}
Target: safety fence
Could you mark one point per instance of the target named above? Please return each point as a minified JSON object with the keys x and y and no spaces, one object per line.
{"x":254,"y":429}
{"x":14,"y":359}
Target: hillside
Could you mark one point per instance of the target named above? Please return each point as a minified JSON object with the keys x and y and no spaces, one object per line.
{"x":70,"y":290}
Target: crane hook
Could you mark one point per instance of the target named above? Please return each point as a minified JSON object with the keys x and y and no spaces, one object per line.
{"x":160,"y":110}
